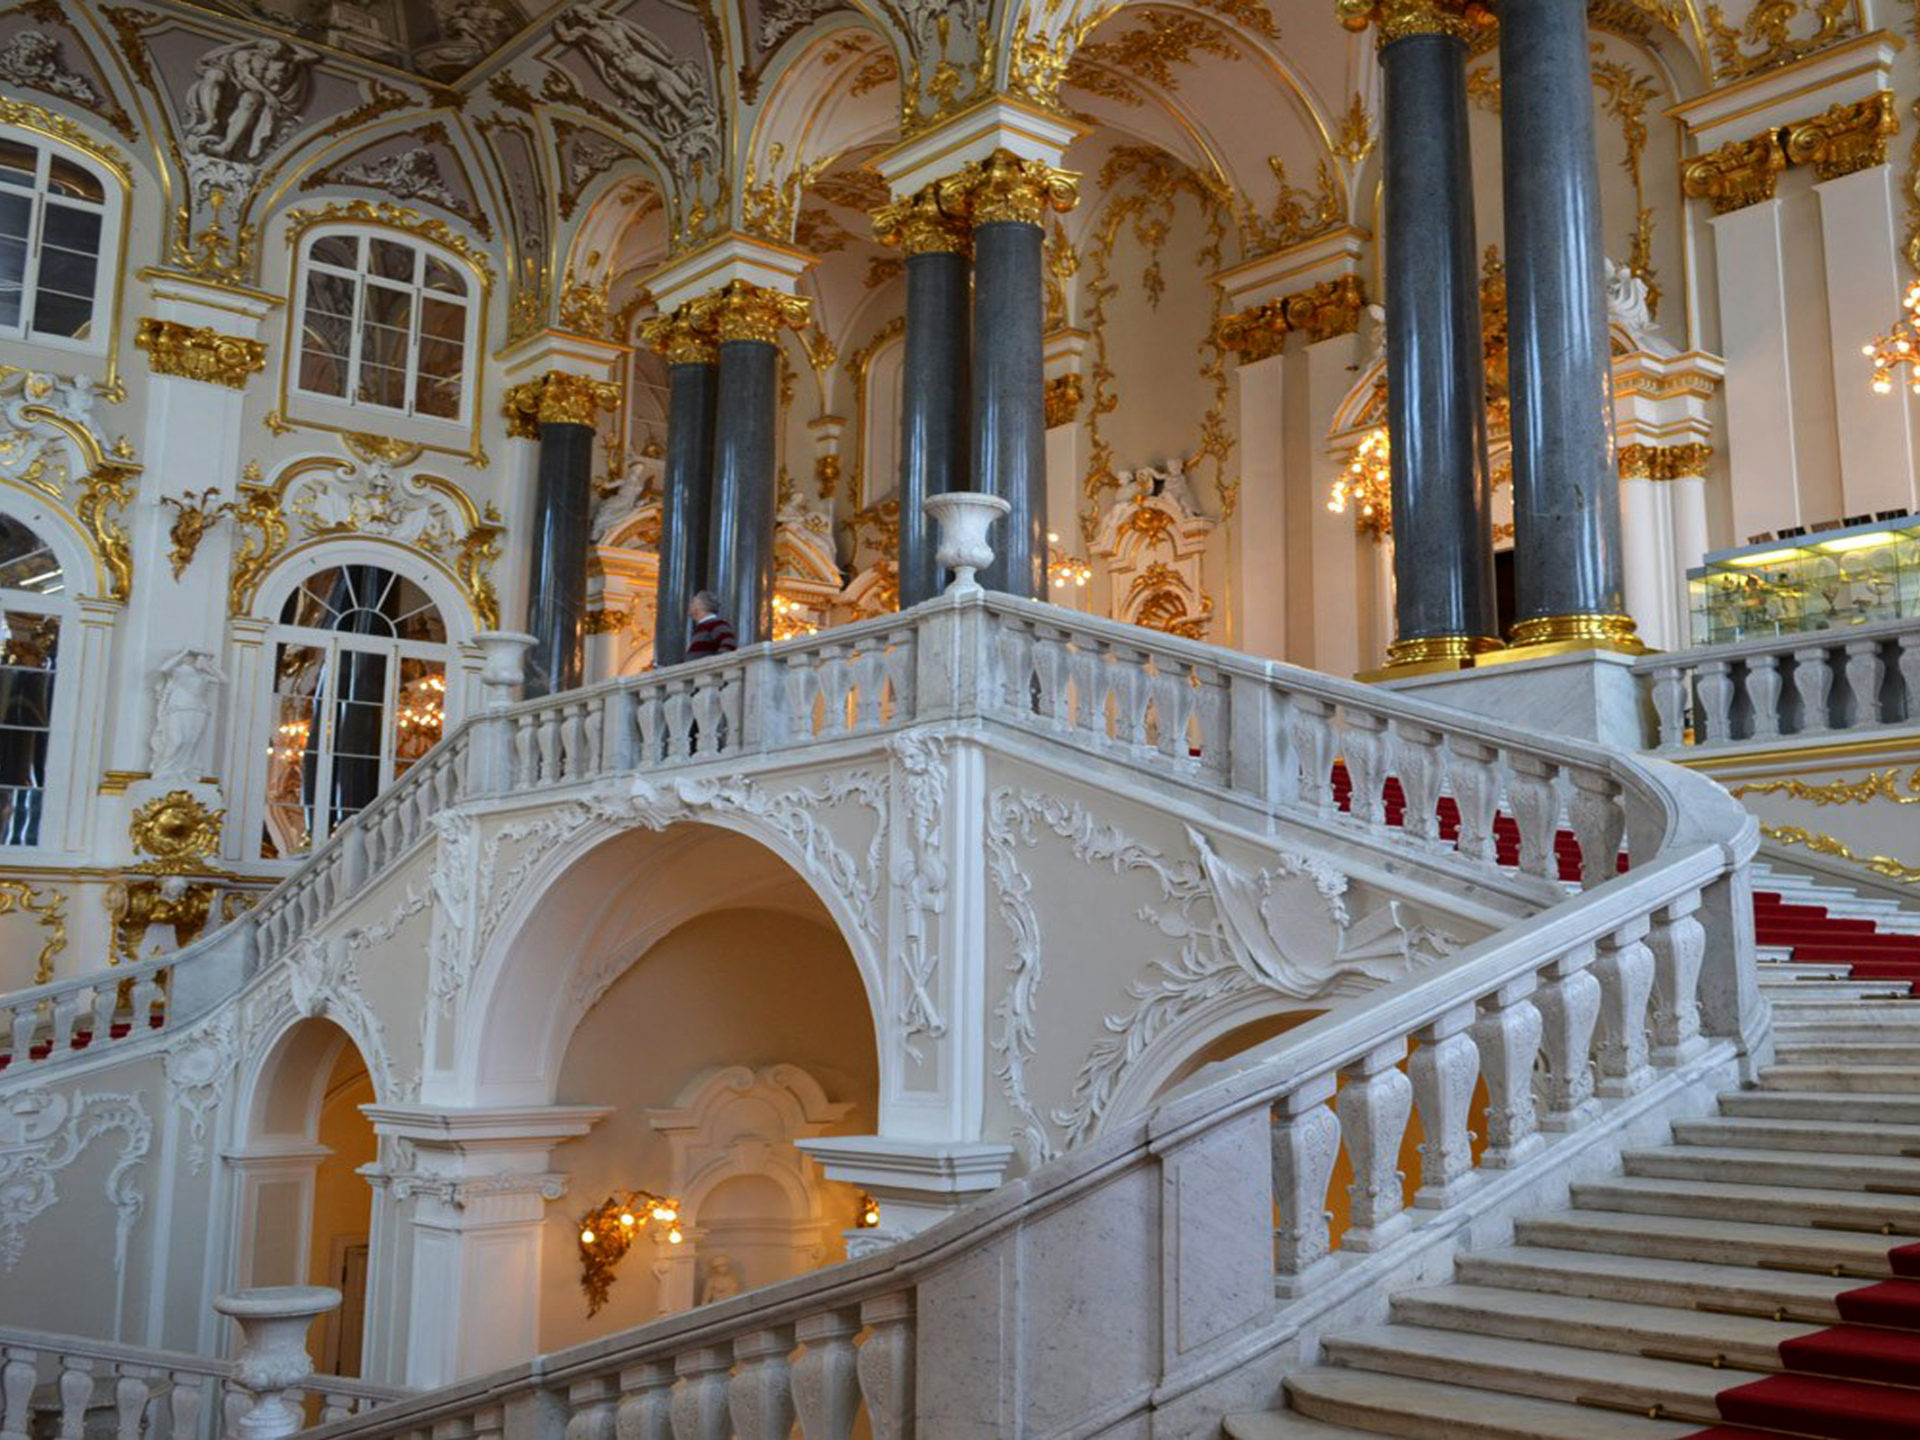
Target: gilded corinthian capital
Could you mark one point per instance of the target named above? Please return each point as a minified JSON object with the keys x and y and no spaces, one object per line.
{"x":742,"y":310}
{"x":919,"y":226}
{"x":556,"y":398}
{"x":681,"y":337}
{"x":1397,"y":19}
{"x":1005,"y":187}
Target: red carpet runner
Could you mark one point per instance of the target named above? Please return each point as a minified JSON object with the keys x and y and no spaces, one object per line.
{"x":1879,"y":1337}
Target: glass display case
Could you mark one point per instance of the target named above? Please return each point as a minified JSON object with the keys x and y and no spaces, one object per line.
{"x":1819,"y":582}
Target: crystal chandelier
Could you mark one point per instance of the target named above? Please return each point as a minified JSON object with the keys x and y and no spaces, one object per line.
{"x":1366,"y":486}
{"x":1065,"y":571}
{"x":1899,"y":349}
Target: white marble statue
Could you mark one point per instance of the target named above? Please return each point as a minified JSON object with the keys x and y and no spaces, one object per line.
{"x":407,"y":175}
{"x":638,"y":483}
{"x":1629,"y":308}
{"x":33,"y":59}
{"x":184,"y":699}
{"x":247,"y":98}
{"x":1175,"y":485}
{"x":1376,"y":335}
{"x":723,"y":1281}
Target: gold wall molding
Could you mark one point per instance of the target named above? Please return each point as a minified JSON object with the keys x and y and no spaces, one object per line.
{"x":42,"y":121}
{"x":1846,"y":138}
{"x":178,"y":834}
{"x":1320,"y":312}
{"x":1766,"y":40}
{"x":199,"y":352}
{"x":1004,"y":187}
{"x":1393,"y":20}
{"x":1738,"y":174}
{"x":385,"y":215}
{"x":1879,"y":785}
{"x":1664,"y":462}
{"x":195,"y":514}
{"x":556,"y":398}
{"x":40,"y":410}
{"x":1064,"y":393}
{"x":49,"y":908}
{"x":213,"y":255}
{"x":1821,"y":844}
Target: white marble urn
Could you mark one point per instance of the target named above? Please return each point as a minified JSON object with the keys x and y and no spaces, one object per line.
{"x":273,"y":1322}
{"x":964,"y":517}
{"x":505,"y":668}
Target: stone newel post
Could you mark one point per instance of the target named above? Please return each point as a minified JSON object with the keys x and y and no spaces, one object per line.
{"x":273,"y":1357}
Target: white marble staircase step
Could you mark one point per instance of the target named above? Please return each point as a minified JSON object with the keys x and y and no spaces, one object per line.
{"x":1798,"y":1022}
{"x":1855,"y":1054}
{"x":1855,"y":1079}
{"x":1677,"y":1284}
{"x":1805,"y":1170}
{"x":1622,"y":1327}
{"x":1426,"y":1410}
{"x":1707,"y":1237}
{"x":1787,"y":1207}
{"x":1827,"y":1135}
{"x":1525,"y":1367}
{"x":1817,"y":1106}
{"x":1287,"y":1425}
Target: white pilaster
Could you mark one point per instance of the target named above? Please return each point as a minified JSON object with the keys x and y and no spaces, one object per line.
{"x":1756,"y":337}
{"x":1257,"y":536}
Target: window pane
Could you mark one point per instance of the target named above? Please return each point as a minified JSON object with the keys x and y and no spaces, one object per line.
{"x":383,"y":345}
{"x":26,"y":563}
{"x":391,"y":260}
{"x":330,"y":295}
{"x":384,"y":386}
{"x":443,"y":320}
{"x":442,"y":276}
{"x":64,"y":315}
{"x":323,"y":374}
{"x":13,"y":279}
{"x":421,"y":714}
{"x":293,"y":747}
{"x":65,"y":177}
{"x":19,"y":162}
{"x":388,"y":307}
{"x":16,"y":215}
{"x":341,"y":250}
{"x":27,"y":665}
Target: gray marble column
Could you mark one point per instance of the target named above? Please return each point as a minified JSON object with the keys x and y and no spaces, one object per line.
{"x":1436,"y":384}
{"x":686,"y":498}
{"x":1568,"y":573}
{"x":1009,"y":399}
{"x":562,"y":532}
{"x":745,"y":487}
{"x":934,"y":384}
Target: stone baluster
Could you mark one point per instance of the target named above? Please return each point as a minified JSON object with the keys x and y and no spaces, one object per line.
{"x":106,"y":999}
{"x":1813,"y":679}
{"x":1363,"y":742}
{"x":1679,"y":944}
{"x":489,"y":1422}
{"x":1310,"y":732}
{"x":1714,"y":681}
{"x":826,"y":1384}
{"x":1375,"y":1104}
{"x":1090,"y":709}
{"x":1306,"y":1146}
{"x":1443,"y":1070}
{"x":1865,"y":672}
{"x":186,"y":1402}
{"x":65,"y":1007}
{"x":1670,"y":705}
{"x":679,"y":712}
{"x":548,"y":735}
{"x":1763,"y":695}
{"x":1508,"y":1033}
{"x":573,"y":740}
{"x":1418,"y":764}
{"x":592,"y":1405}
{"x":17,"y":1375}
{"x":1536,"y":810}
{"x":147,"y":995}
{"x":132,"y":1389}
{"x":523,"y":762}
{"x":234,"y":1404}
{"x":1474,"y":778}
{"x":1910,"y":674}
{"x":1569,"y":1003}
{"x":1624,"y":969}
{"x":886,"y":1366}
{"x":646,"y":1402}
{"x":870,"y":670}
{"x":1599,"y":821}
{"x":75,"y":1390}
{"x":760,"y":1397}
{"x":700,"y":1397}
{"x":336,"y":1406}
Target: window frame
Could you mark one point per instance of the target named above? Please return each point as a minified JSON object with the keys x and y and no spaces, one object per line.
{"x":471,"y":300}
{"x":107,"y":259}
{"x":57,"y":821}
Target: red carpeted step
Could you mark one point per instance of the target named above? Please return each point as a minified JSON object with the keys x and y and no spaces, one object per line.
{"x":1890,"y":1302}
{"x":1732,"y":1432}
{"x":1855,"y":1352}
{"x":1905,"y":1260}
{"x":1833,"y":1409}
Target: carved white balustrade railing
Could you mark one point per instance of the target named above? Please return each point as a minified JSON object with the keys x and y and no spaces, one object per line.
{"x":67,"y":1386}
{"x":1792,"y":685}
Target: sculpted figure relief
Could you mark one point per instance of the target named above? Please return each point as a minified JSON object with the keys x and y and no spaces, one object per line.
{"x":248,"y":96}
{"x":32,"y":59}
{"x":409,"y":175}
{"x":668,"y":95}
{"x":184,"y":698}
{"x":1627,"y":306}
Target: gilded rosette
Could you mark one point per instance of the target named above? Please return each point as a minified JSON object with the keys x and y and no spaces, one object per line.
{"x":1400,"y":19}
{"x":742,"y":310}
{"x":919,"y":226}
{"x":680,"y":338}
{"x":1004,"y":187}
{"x":200,"y":353}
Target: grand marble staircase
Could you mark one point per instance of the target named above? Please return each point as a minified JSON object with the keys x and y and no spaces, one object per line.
{"x":1745,"y":1279}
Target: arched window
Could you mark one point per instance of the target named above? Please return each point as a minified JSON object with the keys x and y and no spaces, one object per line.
{"x":30,"y":578}
{"x":54,"y":274}
{"x":360,"y":662}
{"x":384,"y":322}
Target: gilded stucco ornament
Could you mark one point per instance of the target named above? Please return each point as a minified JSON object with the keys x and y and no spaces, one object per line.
{"x":1320,"y":312}
{"x":681,"y":338}
{"x":387,"y":215}
{"x":556,"y":398}
{"x":1004,"y":187}
{"x":47,"y":907}
{"x":1398,"y":19}
{"x":1765,"y":41}
{"x":742,"y":310}
{"x":1846,"y":137}
{"x":1664,"y":462}
{"x":1738,"y":174}
{"x":48,"y":431}
{"x":1064,"y":394}
{"x":919,"y":225}
{"x":194,"y":515}
{"x":199,"y":352}
{"x":213,"y":255}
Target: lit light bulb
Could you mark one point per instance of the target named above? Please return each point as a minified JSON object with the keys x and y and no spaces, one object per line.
{"x":665,"y":1214}
{"x":586,"y":1237}
{"x":626,"y":1219}
{"x":674,"y":1237}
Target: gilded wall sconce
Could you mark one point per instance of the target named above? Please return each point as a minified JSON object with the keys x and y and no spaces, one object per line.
{"x":194,"y":516}
{"x":608,"y":1231}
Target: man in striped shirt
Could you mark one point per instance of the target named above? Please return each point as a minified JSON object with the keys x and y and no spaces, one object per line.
{"x":712,"y":635}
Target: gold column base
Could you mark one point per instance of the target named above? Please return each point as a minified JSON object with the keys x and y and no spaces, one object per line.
{"x":1564,"y":634}
{"x":1431,"y":655}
